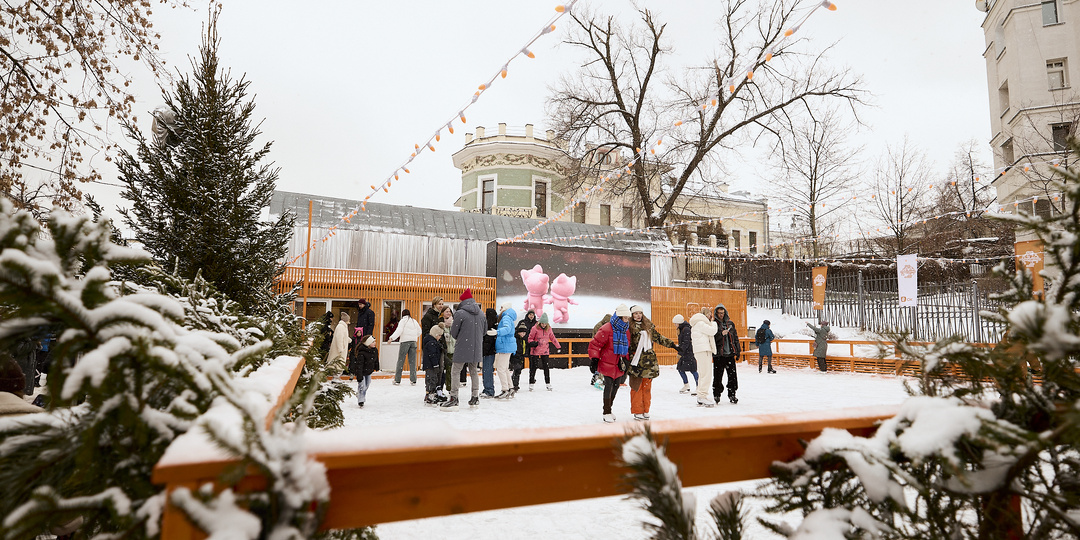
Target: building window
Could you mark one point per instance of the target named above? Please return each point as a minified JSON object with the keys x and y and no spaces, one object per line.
{"x":628,"y":217}
{"x":487,"y":197}
{"x":1003,"y":97}
{"x":605,"y":214}
{"x":753,"y":242}
{"x":1043,"y":208}
{"x":579,"y":212}
{"x":1050,"y":12}
{"x":1007,"y":155}
{"x":1060,"y":134}
{"x":736,"y":235}
{"x":1055,"y":73}
{"x":540,"y":198}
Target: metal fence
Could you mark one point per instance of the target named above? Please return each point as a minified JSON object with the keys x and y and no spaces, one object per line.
{"x":865,"y":296}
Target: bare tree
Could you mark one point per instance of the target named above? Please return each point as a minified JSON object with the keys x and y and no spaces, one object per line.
{"x":60,"y":84}
{"x":614,"y":106}
{"x":816,"y":174}
{"x":1040,"y":139}
{"x":900,"y":185}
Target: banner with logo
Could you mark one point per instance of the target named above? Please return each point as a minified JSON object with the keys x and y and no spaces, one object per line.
{"x":819,"y":287}
{"x":1029,"y":256}
{"x":907,"y":276}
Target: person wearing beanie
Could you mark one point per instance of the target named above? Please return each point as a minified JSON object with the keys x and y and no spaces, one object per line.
{"x":505,"y":346}
{"x":449,"y":346}
{"x":408,"y":331}
{"x":540,"y":340}
{"x":702,"y":332}
{"x":726,"y":357}
{"x":644,"y":366}
{"x":362,"y":364}
{"x":365,"y":320}
{"x":465,"y":295}
{"x":609,"y":354}
{"x":821,"y":343}
{"x":687,"y":363}
{"x":763,"y":339}
{"x":339,"y":346}
{"x":432,"y":364}
{"x":468,"y":331}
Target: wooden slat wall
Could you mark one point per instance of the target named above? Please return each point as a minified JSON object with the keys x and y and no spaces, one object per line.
{"x":668,"y":301}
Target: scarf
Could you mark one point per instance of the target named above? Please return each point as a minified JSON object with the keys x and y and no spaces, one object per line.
{"x":619,"y":344}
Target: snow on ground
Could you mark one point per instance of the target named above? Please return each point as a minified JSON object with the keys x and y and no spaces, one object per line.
{"x":574,"y":402}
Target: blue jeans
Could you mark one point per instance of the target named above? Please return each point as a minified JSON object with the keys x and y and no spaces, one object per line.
{"x":362,"y":384}
{"x":684,"y":379}
{"x":408,"y":348}
{"x":489,"y":375}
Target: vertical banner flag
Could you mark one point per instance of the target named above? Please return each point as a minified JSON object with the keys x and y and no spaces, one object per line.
{"x":907,"y":276}
{"x":819,"y":287}
{"x":1029,"y":256}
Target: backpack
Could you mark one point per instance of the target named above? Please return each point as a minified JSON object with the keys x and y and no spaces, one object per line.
{"x":759,"y":337}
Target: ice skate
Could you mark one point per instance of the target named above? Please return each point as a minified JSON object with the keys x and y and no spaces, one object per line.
{"x":609,"y":418}
{"x":451,"y":405}
{"x":685,"y":389}
{"x":549,"y":388}
{"x":474,"y":402}
{"x":531,"y":385}
{"x":772,"y":371}
{"x":645,"y":416}
{"x":513,"y":392}
{"x":639,"y":417}
{"x":733,"y":399}
{"x":505,"y":394}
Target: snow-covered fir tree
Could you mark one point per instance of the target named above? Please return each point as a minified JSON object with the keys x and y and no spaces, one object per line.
{"x":992,"y":452}
{"x":198,"y":192}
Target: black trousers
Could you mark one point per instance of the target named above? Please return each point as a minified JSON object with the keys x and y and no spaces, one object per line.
{"x":611,"y":387}
{"x":539,"y":362}
{"x":722,"y":365}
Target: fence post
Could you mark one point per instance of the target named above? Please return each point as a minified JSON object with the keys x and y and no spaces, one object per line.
{"x":861,"y":306}
{"x":977,"y":333}
{"x":783,"y":305}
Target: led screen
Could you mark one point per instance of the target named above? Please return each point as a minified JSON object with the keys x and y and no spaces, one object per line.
{"x":576,"y":287}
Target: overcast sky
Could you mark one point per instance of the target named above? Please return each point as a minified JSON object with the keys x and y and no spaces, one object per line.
{"x":346,"y":88}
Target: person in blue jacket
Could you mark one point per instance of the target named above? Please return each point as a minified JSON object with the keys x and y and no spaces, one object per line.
{"x":764,"y":345}
{"x":505,"y":345}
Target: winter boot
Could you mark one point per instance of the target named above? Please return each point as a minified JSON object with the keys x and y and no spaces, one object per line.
{"x":685,"y":389}
{"x":474,"y":402}
{"x":451,"y":405}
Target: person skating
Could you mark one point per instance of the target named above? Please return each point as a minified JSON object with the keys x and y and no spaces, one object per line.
{"x":727,"y":355}
{"x":468,"y":330}
{"x":703,"y":330}
{"x":327,"y":333}
{"x":540,"y":340}
{"x":517,"y":360}
{"x":505,"y":346}
{"x":687,"y":363}
{"x":488,"y":368}
{"x":764,"y":341}
{"x":364,"y":361}
{"x":644,"y":367}
{"x":608,"y":349}
{"x":821,"y":343}
{"x":407,"y":331}
{"x":450,"y":346}
{"x":432,"y":364}
{"x":337,"y":357}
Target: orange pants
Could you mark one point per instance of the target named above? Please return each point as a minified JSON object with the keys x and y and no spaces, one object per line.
{"x":641,"y":399}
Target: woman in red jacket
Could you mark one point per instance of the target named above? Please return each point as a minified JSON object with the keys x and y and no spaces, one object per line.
{"x":610,"y":345}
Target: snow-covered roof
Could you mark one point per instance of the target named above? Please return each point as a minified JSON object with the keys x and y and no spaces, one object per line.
{"x":412,"y":221}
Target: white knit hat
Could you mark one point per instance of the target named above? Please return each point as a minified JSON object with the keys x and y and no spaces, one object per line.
{"x":506,"y":306}
{"x":636,"y":308}
{"x":677,"y":319}
{"x":622,"y":311}
{"x":368,"y":341}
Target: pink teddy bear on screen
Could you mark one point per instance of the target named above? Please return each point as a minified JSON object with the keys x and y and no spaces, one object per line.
{"x":561,"y":290}
{"x":536,"y":282}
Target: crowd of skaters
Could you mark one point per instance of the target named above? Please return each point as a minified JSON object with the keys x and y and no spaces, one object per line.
{"x":470,"y":343}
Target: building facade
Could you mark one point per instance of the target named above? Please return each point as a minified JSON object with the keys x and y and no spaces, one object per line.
{"x":1032,"y":61}
{"x":515,"y":173}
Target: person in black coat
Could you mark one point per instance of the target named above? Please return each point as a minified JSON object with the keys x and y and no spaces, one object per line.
{"x":517,"y":361}
{"x":365,"y":319}
{"x":488,"y":367}
{"x":431,"y":361}
{"x":362,"y":363}
{"x":327,"y":333}
{"x":687,"y":362}
{"x":727,"y":354}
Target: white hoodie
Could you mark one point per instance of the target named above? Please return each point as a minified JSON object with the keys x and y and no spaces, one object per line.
{"x":407,"y":329}
{"x":702,"y":331}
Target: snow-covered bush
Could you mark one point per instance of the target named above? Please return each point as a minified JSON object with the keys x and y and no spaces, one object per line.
{"x":134,"y":366}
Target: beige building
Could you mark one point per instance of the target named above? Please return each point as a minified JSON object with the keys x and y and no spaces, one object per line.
{"x":1032,"y":62}
{"x":513,"y":172}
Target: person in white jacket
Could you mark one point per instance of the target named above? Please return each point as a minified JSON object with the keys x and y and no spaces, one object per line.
{"x":702,"y":330}
{"x":408,"y":331}
{"x":339,"y":346}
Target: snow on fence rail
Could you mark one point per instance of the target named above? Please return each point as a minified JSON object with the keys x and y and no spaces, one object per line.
{"x":428,"y":469}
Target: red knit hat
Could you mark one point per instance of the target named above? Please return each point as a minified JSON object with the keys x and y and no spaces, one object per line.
{"x":465,"y":295}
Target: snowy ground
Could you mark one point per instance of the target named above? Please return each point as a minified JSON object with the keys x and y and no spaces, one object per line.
{"x":574,"y":402}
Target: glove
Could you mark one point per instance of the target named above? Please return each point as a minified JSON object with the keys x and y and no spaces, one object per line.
{"x":493,"y":332}
{"x":534,"y":343}
{"x":594,"y":364}
{"x":558,"y":349}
